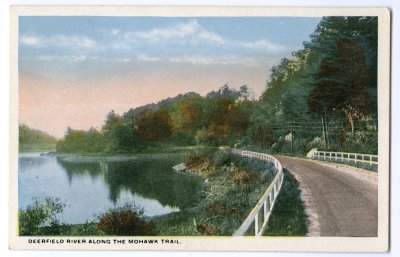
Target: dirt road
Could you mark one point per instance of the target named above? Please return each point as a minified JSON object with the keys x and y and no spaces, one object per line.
{"x":339,"y":201}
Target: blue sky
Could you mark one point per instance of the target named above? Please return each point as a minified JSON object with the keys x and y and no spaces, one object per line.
{"x":73,"y":70}
{"x":97,"y":47}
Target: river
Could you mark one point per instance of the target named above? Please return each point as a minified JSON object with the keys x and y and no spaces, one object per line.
{"x":90,"y":186}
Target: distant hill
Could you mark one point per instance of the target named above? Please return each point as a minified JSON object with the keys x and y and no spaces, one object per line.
{"x":35,"y":140}
{"x":161,"y":104}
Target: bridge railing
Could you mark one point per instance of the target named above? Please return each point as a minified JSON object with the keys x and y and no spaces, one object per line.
{"x":261,"y":212}
{"x":356,"y":158}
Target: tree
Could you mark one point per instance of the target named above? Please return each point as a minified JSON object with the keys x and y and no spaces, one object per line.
{"x":227,"y":122}
{"x":224,"y":92}
{"x":353,"y":67}
{"x":155,"y":126}
{"x":264,"y":136}
{"x":112,"y":120}
{"x":361,"y":30}
{"x":126,"y":138}
{"x":187,"y":115}
{"x":343,"y":84}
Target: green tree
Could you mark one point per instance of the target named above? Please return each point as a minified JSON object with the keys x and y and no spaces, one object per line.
{"x":33,"y":139}
{"x":343,"y":86}
{"x":127,"y":138}
{"x":112,"y":120}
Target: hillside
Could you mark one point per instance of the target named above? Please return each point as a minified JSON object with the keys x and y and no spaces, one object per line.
{"x":35,"y":140}
{"x":164,"y":103}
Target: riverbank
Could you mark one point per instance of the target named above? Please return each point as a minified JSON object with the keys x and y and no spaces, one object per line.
{"x":26,"y":148}
{"x":123,"y":156}
{"x":231,"y":186}
{"x":234,"y":185}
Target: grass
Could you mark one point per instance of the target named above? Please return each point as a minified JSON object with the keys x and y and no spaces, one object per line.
{"x":288,"y":217}
{"x":234,"y":185}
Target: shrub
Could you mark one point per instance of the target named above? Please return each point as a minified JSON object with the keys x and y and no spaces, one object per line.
{"x":196,"y":159}
{"x":125,"y":221}
{"x":243,"y":178}
{"x":42,"y":212}
{"x":222,"y":158}
{"x":223,"y":209}
{"x":208,"y":230}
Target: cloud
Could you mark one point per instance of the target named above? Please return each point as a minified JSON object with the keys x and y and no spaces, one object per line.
{"x":124,"y":60}
{"x":115,"y":31}
{"x":222,"y":60}
{"x":59,"y":41}
{"x":146,"y":58}
{"x":75,"y":41}
{"x":63,"y":58}
{"x":264,"y":44}
{"x":191,"y":31}
{"x":31,"y":40}
{"x":203,"y":60}
{"x":211,"y":37}
{"x":120,"y":46}
{"x":78,"y":58}
{"x":181,"y":40}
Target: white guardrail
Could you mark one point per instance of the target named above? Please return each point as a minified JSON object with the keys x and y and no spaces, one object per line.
{"x":267,"y":201}
{"x":343,"y":157}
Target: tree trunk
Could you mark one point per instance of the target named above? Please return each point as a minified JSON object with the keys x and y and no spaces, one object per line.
{"x":351,"y":121}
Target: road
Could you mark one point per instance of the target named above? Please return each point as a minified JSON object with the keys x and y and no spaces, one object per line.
{"x":339,"y":201}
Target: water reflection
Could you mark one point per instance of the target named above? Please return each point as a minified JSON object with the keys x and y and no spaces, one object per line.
{"x":90,"y":187}
{"x":149,"y":177}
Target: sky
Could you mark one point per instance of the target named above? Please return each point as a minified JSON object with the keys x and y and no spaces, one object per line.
{"x":74,"y":70}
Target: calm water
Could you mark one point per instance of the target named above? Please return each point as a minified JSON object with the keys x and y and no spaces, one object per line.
{"x":89,"y":187}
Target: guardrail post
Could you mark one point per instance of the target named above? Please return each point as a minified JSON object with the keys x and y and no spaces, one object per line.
{"x":256,"y":224}
{"x":350,"y":158}
{"x":270,"y":201}
{"x":265,"y":209}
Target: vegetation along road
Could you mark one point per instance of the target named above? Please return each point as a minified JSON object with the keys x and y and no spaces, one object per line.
{"x":339,"y":201}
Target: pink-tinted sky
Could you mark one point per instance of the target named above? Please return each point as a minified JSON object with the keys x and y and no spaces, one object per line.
{"x":74,"y":70}
{"x":52,"y":105}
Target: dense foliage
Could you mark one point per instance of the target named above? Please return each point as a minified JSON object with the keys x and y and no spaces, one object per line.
{"x":38,"y":215}
{"x":234,"y":186}
{"x":32,"y":139}
{"x":324,"y":96}
{"x":125,"y":221}
{"x":219,"y":118}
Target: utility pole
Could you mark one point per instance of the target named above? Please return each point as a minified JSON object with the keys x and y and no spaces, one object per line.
{"x":327,"y":132}
{"x":292,"y":136}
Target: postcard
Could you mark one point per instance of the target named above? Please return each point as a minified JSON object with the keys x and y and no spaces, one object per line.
{"x":199,"y":128}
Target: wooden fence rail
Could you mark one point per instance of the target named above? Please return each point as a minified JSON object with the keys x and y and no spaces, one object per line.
{"x":344,"y":157}
{"x":260,"y":214}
